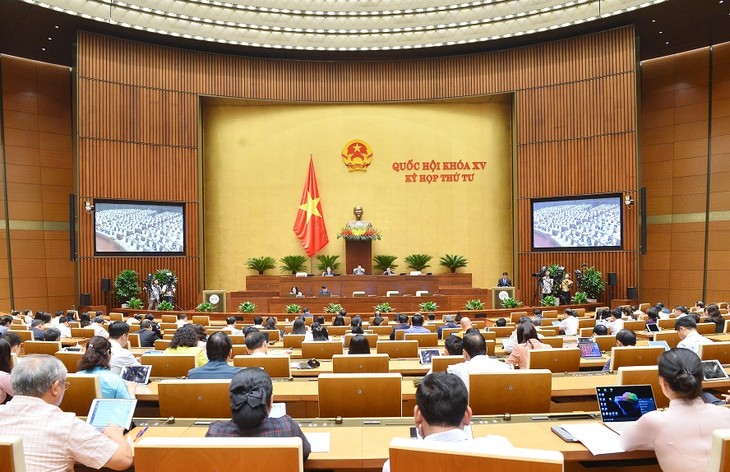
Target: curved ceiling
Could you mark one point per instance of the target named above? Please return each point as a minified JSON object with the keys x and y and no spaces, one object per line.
{"x":344,"y":25}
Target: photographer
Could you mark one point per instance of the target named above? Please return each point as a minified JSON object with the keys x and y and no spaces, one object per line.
{"x":546,"y":285}
{"x":154,"y":291}
{"x":168,"y":290}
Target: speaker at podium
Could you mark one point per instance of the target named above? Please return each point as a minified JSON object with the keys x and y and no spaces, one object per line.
{"x":217,"y":298}
{"x":499,"y":294}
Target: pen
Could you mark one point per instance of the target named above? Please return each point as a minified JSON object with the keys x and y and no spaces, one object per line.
{"x":139,"y":435}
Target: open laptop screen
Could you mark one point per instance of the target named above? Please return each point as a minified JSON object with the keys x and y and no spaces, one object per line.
{"x":624,"y":402}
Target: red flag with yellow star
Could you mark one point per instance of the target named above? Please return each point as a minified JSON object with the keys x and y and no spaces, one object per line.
{"x":309,"y":225}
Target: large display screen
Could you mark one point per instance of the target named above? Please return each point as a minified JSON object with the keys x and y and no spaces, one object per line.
{"x":142,"y":228}
{"x":577,"y":223}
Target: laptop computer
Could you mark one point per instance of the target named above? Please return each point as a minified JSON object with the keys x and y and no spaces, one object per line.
{"x":555,"y":323}
{"x":713,"y":370}
{"x":585,"y":339}
{"x":661,"y":343}
{"x":426,"y":354}
{"x":652,"y":327}
{"x":106,"y":411}
{"x":590,"y":350}
{"x":137,"y":373}
{"x":622,"y":405}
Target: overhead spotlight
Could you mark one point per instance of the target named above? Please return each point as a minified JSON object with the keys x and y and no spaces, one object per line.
{"x":628,"y":200}
{"x":88,"y":206}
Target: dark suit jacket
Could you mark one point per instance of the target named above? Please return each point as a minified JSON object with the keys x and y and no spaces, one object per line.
{"x":147,"y":338}
{"x":504,"y":282}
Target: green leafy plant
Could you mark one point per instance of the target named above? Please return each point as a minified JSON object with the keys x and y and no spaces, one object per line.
{"x":293,"y":308}
{"x":204,"y":307}
{"x":591,"y":282}
{"x":126,"y":286}
{"x":580,"y":297}
{"x":327,"y":261}
{"x":165,"y":306}
{"x":162,"y":274}
{"x":556,"y":269}
{"x":453,"y":262}
{"x":261,"y":264}
{"x":428,"y":306}
{"x":384,"y":308}
{"x":418,"y":261}
{"x":548,"y":300}
{"x":134,"y":303}
{"x":383,"y":261}
{"x":474,"y":305}
{"x":333,"y":308}
{"x":293,"y":264}
{"x":511,"y":303}
{"x":247,"y":307}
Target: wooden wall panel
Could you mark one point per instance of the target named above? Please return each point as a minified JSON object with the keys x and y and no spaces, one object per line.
{"x":575,"y":118}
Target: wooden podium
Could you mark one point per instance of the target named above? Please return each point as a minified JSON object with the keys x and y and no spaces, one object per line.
{"x":359,"y":253}
{"x":496,"y":302}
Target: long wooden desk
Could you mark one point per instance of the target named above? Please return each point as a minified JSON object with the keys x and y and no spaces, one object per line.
{"x":344,"y":285}
{"x":361,"y":444}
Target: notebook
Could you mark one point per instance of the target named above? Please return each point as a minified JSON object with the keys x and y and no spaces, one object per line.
{"x":426,"y":355}
{"x":106,"y":411}
{"x":137,"y":373}
{"x":622,"y":405}
{"x":590,"y":350}
{"x":712,"y":370}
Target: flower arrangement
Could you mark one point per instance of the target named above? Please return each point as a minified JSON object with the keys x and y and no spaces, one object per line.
{"x":333,"y":308}
{"x":384,"y":308}
{"x":205,"y":307}
{"x":358,"y":234}
{"x":474,"y":305}
{"x":293,"y":308}
{"x":428,"y":306}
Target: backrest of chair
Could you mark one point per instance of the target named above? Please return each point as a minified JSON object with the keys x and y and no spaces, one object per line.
{"x":153,"y":454}
{"x":381,"y":330}
{"x":581,"y":311}
{"x":360,"y":363}
{"x":446,"y":332}
{"x":274,"y":334}
{"x":720,"y":453}
{"x":706,"y":328}
{"x":70,"y":359}
{"x":168,"y":326}
{"x":202,"y":320}
{"x":24,"y":334}
{"x":293,"y":340}
{"x":337,"y":330}
{"x":644,"y":375}
{"x":518,"y":391}
{"x":82,"y":332}
{"x":491,"y":346}
{"x":717,"y":350}
{"x":423,"y":339}
{"x":585,"y":332}
{"x":12,"y":458}
{"x":371,"y":337}
{"x":548,"y":330}
{"x":554,"y":341}
{"x":586,"y":323}
{"x":236,"y":338}
{"x":634,"y":355}
{"x":407,"y":455}
{"x":670,"y":336}
{"x":514,"y":317}
{"x":359,"y":395}
{"x":635,"y":325}
{"x":667,"y":323}
{"x":114,"y":316}
{"x":134,"y":340}
{"x":321,"y":349}
{"x":275,"y":366}
{"x":644,"y":306}
{"x":41,"y":347}
{"x":168,"y":336}
{"x":398,"y":349}
{"x":162,"y":344}
{"x":169,"y":365}
{"x":555,"y":360}
{"x":82,"y":389}
{"x":501,"y":331}
{"x":194,"y":398}
{"x":490,"y":335}
{"x":440,"y":363}
{"x":239,"y":350}
{"x":168,"y":319}
{"x":606,"y":342}
{"x":550,"y":313}
{"x":400,"y":334}
{"x":727,"y":327}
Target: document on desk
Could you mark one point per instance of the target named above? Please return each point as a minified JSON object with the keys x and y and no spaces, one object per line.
{"x":320,"y":442}
{"x":595,"y":437}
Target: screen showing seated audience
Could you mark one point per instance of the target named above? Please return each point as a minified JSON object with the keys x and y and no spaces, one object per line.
{"x":585,"y":223}
{"x":123,"y":227}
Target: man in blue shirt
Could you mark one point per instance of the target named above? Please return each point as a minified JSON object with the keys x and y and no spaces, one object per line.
{"x":218,"y":348}
{"x":417,"y":325}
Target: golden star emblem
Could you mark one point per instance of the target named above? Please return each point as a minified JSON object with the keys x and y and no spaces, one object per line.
{"x":310,"y":206}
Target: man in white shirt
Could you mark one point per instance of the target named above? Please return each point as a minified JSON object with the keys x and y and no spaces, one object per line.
{"x":476,"y":360}
{"x":118,"y":338}
{"x":569,"y":324}
{"x":686,"y":327}
{"x":231,"y":327}
{"x":64,"y":327}
{"x":442,"y":412}
{"x":98,"y":325}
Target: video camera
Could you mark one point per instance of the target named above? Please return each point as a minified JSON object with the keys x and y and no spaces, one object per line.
{"x":147,"y":282}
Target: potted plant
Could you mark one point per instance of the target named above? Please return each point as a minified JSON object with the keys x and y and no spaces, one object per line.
{"x":293,"y":308}
{"x":510,"y":302}
{"x":549,"y":300}
{"x":428,"y":306}
{"x":247,"y":307}
{"x":591,"y":282}
{"x":293,"y":264}
{"x":333,"y":308}
{"x":579,"y":298}
{"x":204,"y":307}
{"x":383,"y":261}
{"x":418,"y":261}
{"x":261,"y":264}
{"x":162,"y":275}
{"x":475,"y":304}
{"x":126,"y":286}
{"x":384,"y":308}
{"x":453,"y":262}
{"x":134,"y":303}
{"x":165,"y":306}
{"x":327,"y":261}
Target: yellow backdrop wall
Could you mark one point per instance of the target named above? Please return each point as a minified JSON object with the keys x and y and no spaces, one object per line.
{"x":255,"y":160}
